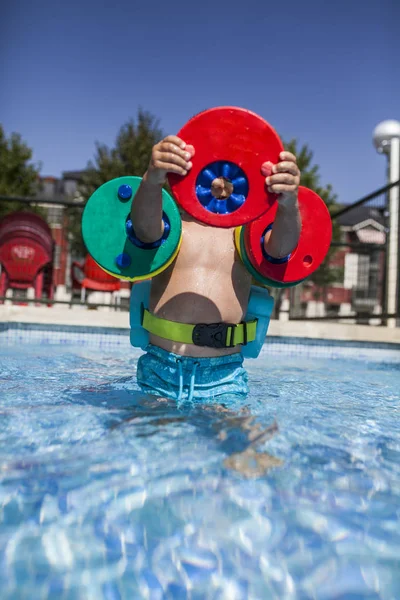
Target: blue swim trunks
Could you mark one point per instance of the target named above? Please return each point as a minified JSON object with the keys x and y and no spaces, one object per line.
{"x":183,"y":378}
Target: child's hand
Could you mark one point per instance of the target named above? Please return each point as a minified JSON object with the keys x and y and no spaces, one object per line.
{"x":283,"y":178}
{"x":171,"y":155}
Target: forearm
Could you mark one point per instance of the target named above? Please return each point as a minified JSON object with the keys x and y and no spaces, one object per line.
{"x":285,"y":234}
{"x":146,"y":212}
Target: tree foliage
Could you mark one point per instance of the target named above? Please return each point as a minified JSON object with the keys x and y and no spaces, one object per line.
{"x":18,"y":175}
{"x":129,"y":156}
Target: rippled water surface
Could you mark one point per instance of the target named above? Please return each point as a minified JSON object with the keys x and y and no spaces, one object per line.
{"x":106,"y":493}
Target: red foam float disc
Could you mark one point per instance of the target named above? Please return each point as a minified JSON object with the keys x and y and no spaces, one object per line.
{"x":313,"y":246}
{"x":231,"y":135}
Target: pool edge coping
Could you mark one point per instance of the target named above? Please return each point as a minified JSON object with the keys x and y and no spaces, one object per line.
{"x":6,"y":326}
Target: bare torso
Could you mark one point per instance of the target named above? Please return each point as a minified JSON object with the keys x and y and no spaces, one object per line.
{"x":207,"y":283}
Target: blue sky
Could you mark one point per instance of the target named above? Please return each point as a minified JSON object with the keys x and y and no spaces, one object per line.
{"x":323,"y":72}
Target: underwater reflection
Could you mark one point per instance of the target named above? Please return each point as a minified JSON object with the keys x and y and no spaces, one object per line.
{"x":237,"y":432}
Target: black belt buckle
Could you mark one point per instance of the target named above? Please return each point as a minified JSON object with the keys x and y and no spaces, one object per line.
{"x":212,"y":335}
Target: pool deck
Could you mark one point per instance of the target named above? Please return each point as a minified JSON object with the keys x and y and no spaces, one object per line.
{"x":105,"y":318}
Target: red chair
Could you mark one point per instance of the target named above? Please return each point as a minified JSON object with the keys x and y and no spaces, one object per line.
{"x":90,"y":277}
{"x":26,"y":254}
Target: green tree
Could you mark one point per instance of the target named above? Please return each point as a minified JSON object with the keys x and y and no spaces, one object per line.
{"x":18,"y":176}
{"x":129,"y":156}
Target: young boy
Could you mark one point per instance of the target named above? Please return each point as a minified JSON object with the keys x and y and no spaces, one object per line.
{"x":207,"y":283}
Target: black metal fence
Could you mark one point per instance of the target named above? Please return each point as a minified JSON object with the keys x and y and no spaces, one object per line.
{"x":350,"y":286}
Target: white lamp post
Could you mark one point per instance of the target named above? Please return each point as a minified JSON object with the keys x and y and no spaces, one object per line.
{"x":386,"y":139}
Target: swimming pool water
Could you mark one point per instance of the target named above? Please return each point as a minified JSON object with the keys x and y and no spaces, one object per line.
{"x":108,"y":494}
